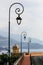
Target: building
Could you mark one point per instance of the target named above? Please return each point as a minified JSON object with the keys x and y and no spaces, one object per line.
{"x":15,"y":49}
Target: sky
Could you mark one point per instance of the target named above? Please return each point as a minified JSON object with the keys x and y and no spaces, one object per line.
{"x":32,"y":18}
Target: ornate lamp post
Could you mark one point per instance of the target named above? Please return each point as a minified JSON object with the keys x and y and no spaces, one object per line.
{"x":18,"y":12}
{"x":23,"y":34}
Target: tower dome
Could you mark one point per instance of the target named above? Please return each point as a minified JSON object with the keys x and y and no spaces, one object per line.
{"x":15,"y":48}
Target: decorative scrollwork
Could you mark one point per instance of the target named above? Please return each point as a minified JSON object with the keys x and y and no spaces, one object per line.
{"x":18,"y":10}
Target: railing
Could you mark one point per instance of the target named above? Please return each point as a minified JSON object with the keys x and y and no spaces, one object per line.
{"x":18,"y":61}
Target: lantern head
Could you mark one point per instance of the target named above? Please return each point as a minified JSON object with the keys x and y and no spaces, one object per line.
{"x":18,"y":20}
{"x":24,"y":36}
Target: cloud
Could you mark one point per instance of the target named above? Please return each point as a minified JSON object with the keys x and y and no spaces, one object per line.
{"x":32,"y":18}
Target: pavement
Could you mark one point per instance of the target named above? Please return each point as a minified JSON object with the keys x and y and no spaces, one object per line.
{"x":26,"y":60}
{"x":32,"y":59}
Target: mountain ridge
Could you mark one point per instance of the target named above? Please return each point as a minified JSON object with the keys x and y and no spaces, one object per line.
{"x":33,"y":45}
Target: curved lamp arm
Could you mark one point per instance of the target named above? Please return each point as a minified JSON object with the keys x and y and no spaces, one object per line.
{"x":17,"y":9}
{"x":24,"y":34}
{"x":24,"y":38}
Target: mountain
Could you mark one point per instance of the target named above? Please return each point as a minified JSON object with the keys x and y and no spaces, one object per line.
{"x":4,"y":43}
{"x":35,"y":43}
{"x":33,"y":46}
{"x":36,"y":46}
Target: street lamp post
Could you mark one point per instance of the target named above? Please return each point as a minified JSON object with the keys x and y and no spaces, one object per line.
{"x":24,"y":34}
{"x":29,"y":41}
{"x":28,"y":47}
{"x":28,"y":51}
{"x":18,"y":12}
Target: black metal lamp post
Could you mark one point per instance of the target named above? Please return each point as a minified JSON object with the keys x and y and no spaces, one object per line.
{"x":28,"y":50}
{"x":18,"y":12}
{"x":24,"y":34}
{"x":29,"y":41}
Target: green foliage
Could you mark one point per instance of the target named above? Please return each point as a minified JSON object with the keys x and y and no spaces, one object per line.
{"x":4,"y":58}
{"x":14,"y":57}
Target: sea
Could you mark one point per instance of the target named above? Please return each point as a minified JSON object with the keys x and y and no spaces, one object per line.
{"x":23,"y":50}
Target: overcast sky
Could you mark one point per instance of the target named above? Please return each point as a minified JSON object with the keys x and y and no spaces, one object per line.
{"x":32,"y":18}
